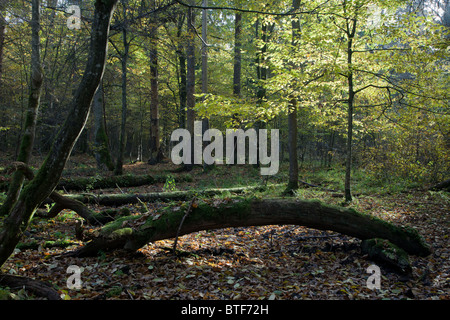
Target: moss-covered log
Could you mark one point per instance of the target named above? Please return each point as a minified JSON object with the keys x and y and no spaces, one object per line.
{"x":124,"y":181}
{"x":132,"y":233}
{"x":83,"y":211}
{"x":108,"y":182}
{"x":444,"y":185}
{"x":41,"y":289}
{"x":386,"y":252}
{"x":130,"y":198}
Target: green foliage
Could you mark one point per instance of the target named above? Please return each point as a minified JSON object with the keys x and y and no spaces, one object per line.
{"x":2,"y":197}
{"x":170,"y":184}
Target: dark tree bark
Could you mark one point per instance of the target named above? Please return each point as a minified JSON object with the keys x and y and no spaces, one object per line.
{"x":205,"y":121}
{"x":208,"y":215}
{"x":155,"y":145}
{"x":39,"y":288}
{"x":102,"y":152}
{"x":3,"y":108}
{"x":190,"y":81}
{"x":118,"y":170}
{"x":183,"y":76}
{"x":350,"y":33}
{"x":292,"y":116}
{"x":444,"y":185}
{"x":38,"y":189}
{"x":237,"y":72}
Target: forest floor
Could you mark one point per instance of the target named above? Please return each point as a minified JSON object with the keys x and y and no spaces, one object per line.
{"x":272,"y":262}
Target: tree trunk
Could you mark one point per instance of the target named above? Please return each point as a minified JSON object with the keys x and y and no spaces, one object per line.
{"x":155,"y":147}
{"x":3,"y":108}
{"x":118,"y":170}
{"x":79,"y":208}
{"x":351,"y":30}
{"x":190,"y":84}
{"x":209,"y":215}
{"x":29,"y":131}
{"x":237,"y":55}
{"x":183,"y":77}
{"x":102,"y":153}
{"x":37,"y":190}
{"x":444,"y":185}
{"x":237,"y":73}
{"x":292,"y":116}
{"x":205,"y":121}
{"x":41,"y":289}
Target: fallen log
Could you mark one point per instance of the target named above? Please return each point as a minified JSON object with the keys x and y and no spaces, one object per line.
{"x":384,"y":251}
{"x":109,"y":182}
{"x":124,"y":181}
{"x":39,"y":288}
{"x":132,"y":233}
{"x":90,"y":216}
{"x":131,"y":198}
{"x":444,"y":185}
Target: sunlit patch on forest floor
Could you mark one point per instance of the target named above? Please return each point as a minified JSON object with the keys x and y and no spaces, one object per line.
{"x":272,"y":262}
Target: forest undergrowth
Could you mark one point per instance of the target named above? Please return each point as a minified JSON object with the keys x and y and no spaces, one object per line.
{"x":254,"y":263}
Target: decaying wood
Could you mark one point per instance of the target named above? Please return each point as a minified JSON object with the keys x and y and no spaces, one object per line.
{"x":39,"y":288}
{"x":131,"y":198}
{"x":240,"y":212}
{"x":444,"y":185}
{"x":62,"y":202}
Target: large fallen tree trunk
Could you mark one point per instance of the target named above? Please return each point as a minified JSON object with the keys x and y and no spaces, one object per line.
{"x":108,"y":182}
{"x":131,"y":198}
{"x":124,"y":181}
{"x":131,"y":233}
{"x":444,"y":185}
{"x":39,"y":288}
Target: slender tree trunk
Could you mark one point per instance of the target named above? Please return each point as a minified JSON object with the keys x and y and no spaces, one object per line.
{"x":262,"y":73}
{"x":292,"y":116}
{"x":102,"y":152}
{"x":2,"y":43}
{"x":3,"y":140}
{"x":118,"y":170}
{"x":38,"y":189}
{"x":237,"y":72}
{"x":155,"y":146}
{"x":26,"y":147}
{"x":351,"y":30}
{"x":205,"y":121}
{"x":190,"y":84}
{"x":237,"y":55}
{"x":183,"y":76}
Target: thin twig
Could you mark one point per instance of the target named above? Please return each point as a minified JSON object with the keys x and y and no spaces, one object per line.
{"x":189,"y":209}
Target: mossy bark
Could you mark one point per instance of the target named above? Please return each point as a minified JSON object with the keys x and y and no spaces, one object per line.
{"x":46,"y":179}
{"x":92,"y":183}
{"x":384,"y":251}
{"x":131,"y":198}
{"x":242,"y":212}
{"x":83,"y":211}
{"x":110,"y":182}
